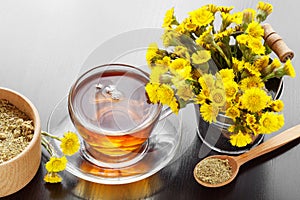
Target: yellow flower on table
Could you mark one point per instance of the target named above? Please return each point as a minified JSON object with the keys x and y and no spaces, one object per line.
{"x":69,"y":143}
{"x":52,"y":177}
{"x":56,"y":164}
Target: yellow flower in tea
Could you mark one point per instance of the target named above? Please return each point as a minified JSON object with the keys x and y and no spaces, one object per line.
{"x":240,"y":139}
{"x":151,"y":89}
{"x":209,"y":112}
{"x":52,"y":177}
{"x":201,"y":56}
{"x":56,"y":164}
{"x":69,"y":143}
{"x":169,"y":19}
{"x":255,"y":30}
{"x":255,"y":100}
{"x":181,"y":67}
{"x":202,"y":16}
{"x":218,"y":97}
{"x":277,"y":105}
{"x":250,"y":82}
{"x":270,"y":122}
{"x":256,"y":46}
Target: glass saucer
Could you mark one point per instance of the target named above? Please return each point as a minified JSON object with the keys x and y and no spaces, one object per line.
{"x":162,"y":146}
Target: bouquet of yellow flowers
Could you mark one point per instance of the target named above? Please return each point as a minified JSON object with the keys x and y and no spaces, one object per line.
{"x":222,"y":67}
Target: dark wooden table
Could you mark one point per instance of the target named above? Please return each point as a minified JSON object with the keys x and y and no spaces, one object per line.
{"x":44,"y":45}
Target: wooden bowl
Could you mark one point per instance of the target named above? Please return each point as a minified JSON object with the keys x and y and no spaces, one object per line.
{"x":17,"y":172}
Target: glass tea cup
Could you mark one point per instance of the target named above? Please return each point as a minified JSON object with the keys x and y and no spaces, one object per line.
{"x":109,"y":108}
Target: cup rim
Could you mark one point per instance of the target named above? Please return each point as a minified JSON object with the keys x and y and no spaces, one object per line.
{"x":71,"y":109}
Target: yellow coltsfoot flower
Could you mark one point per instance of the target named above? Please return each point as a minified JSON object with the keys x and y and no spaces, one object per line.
{"x":70,"y":143}
{"x":240,"y":139}
{"x":56,"y":164}
{"x":52,"y":177}
{"x":255,"y":100}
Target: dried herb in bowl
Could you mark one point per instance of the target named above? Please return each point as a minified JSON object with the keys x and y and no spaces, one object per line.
{"x":16,"y":131}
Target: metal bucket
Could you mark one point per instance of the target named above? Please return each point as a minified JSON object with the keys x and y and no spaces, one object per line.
{"x":216,"y":135}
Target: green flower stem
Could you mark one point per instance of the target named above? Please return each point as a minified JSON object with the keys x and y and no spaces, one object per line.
{"x":269,"y":76}
{"x":50,"y":135}
{"x":48,"y":146}
{"x":222,"y":54}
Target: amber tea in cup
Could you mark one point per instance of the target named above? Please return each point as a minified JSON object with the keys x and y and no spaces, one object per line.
{"x":109,"y":107}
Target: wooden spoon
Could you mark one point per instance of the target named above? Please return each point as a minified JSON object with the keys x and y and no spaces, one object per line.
{"x":265,"y":147}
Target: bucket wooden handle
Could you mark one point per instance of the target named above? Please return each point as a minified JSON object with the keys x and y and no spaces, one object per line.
{"x":276,"y":43}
